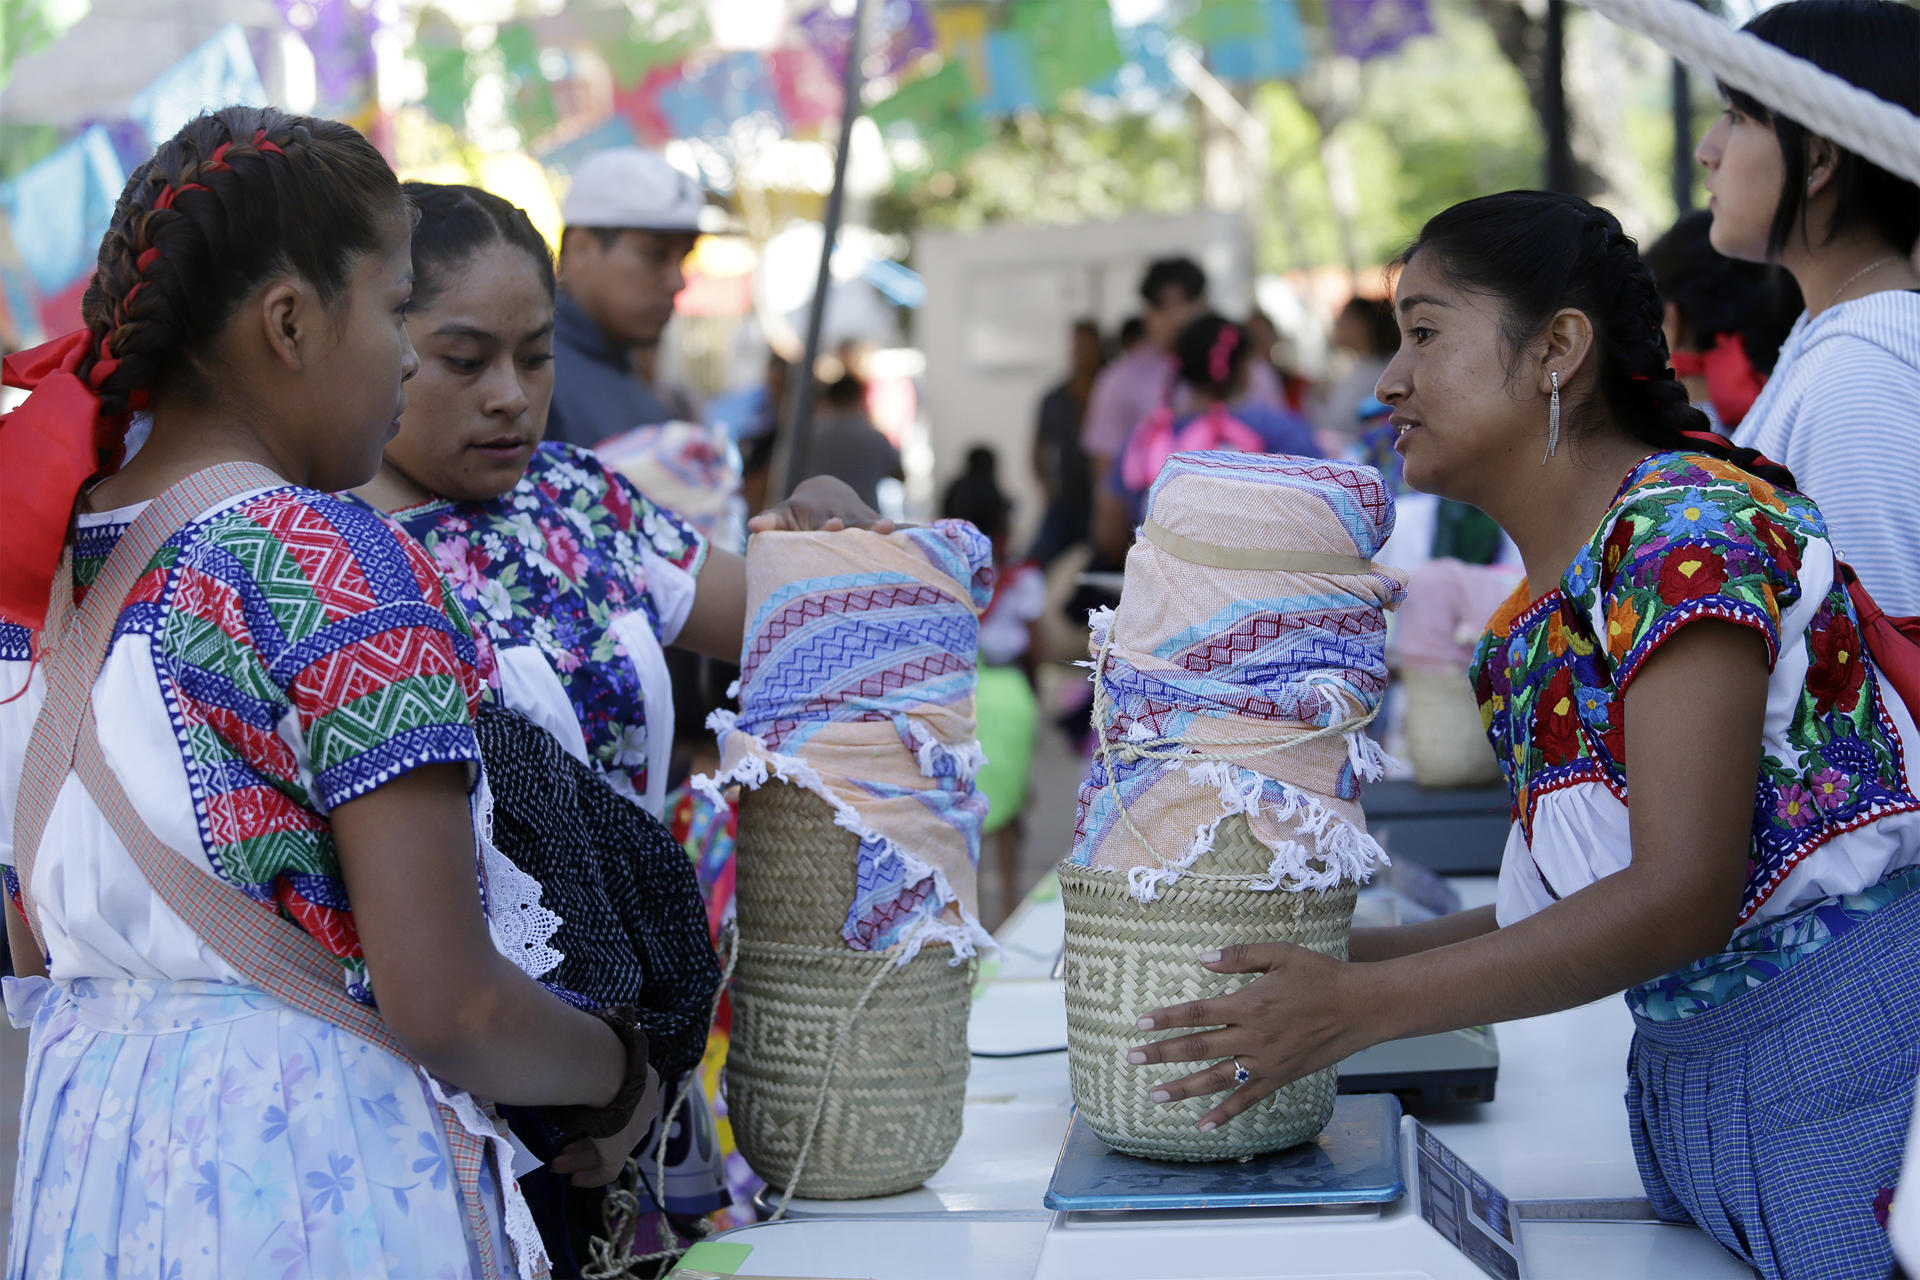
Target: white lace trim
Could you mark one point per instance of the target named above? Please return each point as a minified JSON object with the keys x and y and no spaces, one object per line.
{"x":529,"y":1254}
{"x":521,"y":927}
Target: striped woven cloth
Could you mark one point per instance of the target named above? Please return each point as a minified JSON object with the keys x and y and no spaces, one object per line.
{"x":1239,"y":670}
{"x":857,"y":683}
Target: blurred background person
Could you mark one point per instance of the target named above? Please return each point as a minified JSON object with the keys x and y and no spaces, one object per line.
{"x":1133,"y":386}
{"x":1725,"y":319}
{"x":1365,"y":336}
{"x":1213,"y":359}
{"x":842,"y":440}
{"x":1006,"y":704}
{"x":1066,"y":482}
{"x":631,"y":220}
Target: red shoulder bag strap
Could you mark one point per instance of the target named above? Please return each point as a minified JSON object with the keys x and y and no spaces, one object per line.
{"x":1893,"y":642}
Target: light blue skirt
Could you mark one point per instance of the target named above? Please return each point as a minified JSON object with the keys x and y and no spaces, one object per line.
{"x":179,"y":1130}
{"x":1776,"y":1120}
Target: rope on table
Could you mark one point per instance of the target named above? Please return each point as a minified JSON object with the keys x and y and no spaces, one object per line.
{"x":1884,"y":133}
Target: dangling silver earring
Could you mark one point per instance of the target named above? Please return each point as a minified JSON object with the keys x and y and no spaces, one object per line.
{"x":1553,"y":417}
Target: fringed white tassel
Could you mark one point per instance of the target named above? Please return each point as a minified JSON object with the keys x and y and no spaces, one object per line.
{"x":1341,"y":850}
{"x":757,"y":765}
{"x":1369,"y":759}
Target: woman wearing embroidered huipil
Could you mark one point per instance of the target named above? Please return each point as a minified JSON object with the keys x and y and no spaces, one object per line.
{"x":1683,"y":638}
{"x":277,"y":822}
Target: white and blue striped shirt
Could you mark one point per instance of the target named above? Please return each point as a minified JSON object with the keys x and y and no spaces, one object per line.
{"x":1842,"y":412}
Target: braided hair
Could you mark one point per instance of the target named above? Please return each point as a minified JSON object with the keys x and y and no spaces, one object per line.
{"x":236,"y":197}
{"x":1537,"y":252}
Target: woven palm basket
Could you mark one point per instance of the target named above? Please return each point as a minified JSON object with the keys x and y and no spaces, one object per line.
{"x":1446,"y":742}
{"x":1125,"y":957}
{"x":886,"y":1078}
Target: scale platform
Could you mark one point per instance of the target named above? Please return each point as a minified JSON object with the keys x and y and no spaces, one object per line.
{"x":1339,"y":1206}
{"x":1354,"y":1161}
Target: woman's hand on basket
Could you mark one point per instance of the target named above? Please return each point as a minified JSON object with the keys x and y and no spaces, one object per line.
{"x":1305,"y":1011}
{"x":820,"y":503}
{"x":594,"y":1162}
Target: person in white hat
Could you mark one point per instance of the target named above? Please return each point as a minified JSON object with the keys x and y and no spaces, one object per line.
{"x":631,"y":220}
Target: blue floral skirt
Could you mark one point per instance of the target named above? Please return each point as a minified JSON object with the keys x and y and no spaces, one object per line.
{"x":194,"y":1129}
{"x":1777,"y":1120}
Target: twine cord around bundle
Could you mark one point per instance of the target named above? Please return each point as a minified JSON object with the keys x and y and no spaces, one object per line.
{"x":1193,"y":750}
{"x":611,"y":1254}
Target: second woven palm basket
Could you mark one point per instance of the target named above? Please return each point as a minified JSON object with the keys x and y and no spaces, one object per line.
{"x":1125,"y":957}
{"x":887,"y":1078}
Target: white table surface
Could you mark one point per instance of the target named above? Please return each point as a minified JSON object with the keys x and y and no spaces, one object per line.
{"x":1556,"y":1130}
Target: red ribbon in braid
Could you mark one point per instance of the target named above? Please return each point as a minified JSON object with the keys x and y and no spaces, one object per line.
{"x":56,"y":441}
{"x":50,"y":446}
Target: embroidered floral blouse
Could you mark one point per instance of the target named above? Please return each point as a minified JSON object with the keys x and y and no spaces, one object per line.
{"x":1835,"y":810}
{"x":579,"y":581}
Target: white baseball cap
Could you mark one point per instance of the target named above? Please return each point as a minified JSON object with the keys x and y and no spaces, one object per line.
{"x":629,"y":187}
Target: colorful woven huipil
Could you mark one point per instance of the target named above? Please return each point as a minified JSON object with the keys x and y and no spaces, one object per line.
{"x":1233,"y":686}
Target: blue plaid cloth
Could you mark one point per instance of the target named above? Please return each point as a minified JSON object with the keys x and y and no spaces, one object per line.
{"x":1775,"y":1119}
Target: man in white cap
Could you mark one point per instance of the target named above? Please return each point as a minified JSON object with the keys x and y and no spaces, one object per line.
{"x":631,"y":220}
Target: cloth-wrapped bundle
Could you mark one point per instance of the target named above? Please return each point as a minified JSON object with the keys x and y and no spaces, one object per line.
{"x":1232,"y":690}
{"x":857,"y":855}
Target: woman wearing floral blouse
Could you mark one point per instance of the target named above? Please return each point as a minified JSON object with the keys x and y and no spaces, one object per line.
{"x":577,"y":578}
{"x":1713,"y":795}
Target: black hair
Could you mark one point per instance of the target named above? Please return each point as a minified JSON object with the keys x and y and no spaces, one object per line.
{"x":1716,"y":294}
{"x":1211,"y":352}
{"x":1874,"y":45}
{"x":1087,"y":324}
{"x":1133,"y":329}
{"x":1536,"y":252}
{"x":237,"y":196}
{"x":975,"y":495}
{"x":845,"y":391}
{"x":1181,"y":274}
{"x":1376,"y":315}
{"x":457,"y":222}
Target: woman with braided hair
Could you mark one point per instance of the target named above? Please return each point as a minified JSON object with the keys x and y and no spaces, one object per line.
{"x":1685,"y":636}
{"x":277,"y":969}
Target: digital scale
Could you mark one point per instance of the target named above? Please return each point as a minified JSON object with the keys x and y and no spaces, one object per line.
{"x":1374,"y":1194}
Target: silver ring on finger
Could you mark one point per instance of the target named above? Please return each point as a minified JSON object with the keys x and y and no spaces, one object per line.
{"x":1240,"y":1074}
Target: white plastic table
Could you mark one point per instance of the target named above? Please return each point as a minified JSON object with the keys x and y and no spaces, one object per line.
{"x":1556,"y":1130}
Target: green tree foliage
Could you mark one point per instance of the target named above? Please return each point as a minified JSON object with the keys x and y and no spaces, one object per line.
{"x":1445,"y":118}
{"x":1449,"y":116}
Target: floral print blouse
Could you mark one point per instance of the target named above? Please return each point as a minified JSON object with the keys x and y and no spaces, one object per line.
{"x":578,"y":579}
{"x":1835,"y":812}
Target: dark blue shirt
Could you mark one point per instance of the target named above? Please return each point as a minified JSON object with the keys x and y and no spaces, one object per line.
{"x":596,"y":393}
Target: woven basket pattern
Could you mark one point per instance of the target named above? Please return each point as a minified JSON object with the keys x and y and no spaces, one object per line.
{"x":1125,"y":957}
{"x":1446,"y":743}
{"x":893,"y":1106}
